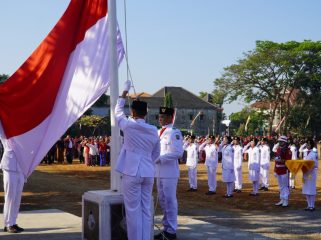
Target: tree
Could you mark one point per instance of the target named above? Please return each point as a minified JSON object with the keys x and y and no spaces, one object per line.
{"x":274,"y":73}
{"x":168,"y":101}
{"x":3,"y":78}
{"x":93,"y":125}
{"x":219,"y":97}
{"x":255,"y":125}
{"x":202,"y":94}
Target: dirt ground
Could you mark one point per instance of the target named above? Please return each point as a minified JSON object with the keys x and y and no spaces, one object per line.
{"x":62,"y":186}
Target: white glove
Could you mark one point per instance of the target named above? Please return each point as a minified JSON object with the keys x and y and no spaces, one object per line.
{"x":127,"y":85}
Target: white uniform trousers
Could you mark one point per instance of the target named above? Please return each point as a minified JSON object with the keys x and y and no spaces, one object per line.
{"x":229,"y":188}
{"x":137,"y":198}
{"x":283,"y":181}
{"x":256,"y":187}
{"x":166,"y":190}
{"x":238,"y":178}
{"x":264,"y":176}
{"x":292,"y":180}
{"x":211,"y":174}
{"x":310,"y":200}
{"x":192,"y":177}
{"x":13,"y":185}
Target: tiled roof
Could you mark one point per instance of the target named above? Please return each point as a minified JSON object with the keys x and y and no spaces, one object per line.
{"x":183,"y":98}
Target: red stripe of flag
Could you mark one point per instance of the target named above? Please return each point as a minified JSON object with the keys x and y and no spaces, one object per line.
{"x":28,"y":96}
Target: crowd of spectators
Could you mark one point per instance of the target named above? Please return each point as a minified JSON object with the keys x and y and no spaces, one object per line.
{"x":92,"y":151}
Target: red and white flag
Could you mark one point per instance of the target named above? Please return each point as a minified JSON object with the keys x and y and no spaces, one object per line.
{"x":62,"y":78}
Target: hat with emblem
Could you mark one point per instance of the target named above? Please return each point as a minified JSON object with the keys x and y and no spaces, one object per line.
{"x":167,"y":106}
{"x":166,"y":110}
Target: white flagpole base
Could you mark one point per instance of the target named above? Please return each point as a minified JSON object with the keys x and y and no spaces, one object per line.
{"x":103,"y":213}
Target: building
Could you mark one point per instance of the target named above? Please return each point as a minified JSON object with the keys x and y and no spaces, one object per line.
{"x":193,"y":114}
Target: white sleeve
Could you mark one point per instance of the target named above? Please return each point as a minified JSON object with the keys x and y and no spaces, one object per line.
{"x":120,"y":115}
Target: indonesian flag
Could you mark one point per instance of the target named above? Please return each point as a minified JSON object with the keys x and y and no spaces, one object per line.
{"x":62,"y":78}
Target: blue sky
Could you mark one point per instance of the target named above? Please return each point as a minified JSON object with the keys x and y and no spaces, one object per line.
{"x":171,"y":42}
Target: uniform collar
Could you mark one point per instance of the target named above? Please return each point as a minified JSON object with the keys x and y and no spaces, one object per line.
{"x":168,"y":125}
{"x":140,"y":120}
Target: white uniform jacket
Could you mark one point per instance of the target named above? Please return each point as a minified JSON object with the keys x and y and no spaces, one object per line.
{"x":294,"y":152}
{"x":227,"y":157}
{"x":171,"y":149}
{"x":192,"y":154}
{"x":238,"y":156}
{"x":310,"y":177}
{"x":211,"y":152}
{"x":141,"y":145}
{"x":8,"y":161}
{"x":254,"y":158}
{"x":265,"y":156}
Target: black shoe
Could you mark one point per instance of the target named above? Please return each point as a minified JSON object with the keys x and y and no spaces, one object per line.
{"x":261,"y":188}
{"x":227,"y":196}
{"x":194,"y":190}
{"x":238,"y":190}
{"x":20,"y":229}
{"x":210,"y":193}
{"x":158,"y":236}
{"x":11,"y":229}
{"x":311,"y":209}
{"x":235,"y":190}
{"x":306,"y":209}
{"x":266,"y":189}
{"x":190,"y":190}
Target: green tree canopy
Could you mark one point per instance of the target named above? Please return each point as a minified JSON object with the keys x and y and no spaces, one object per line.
{"x":275,"y":73}
{"x":247,"y":122}
{"x":3,"y":78}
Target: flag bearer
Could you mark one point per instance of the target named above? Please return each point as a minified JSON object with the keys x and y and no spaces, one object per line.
{"x":167,"y":172}
{"x":136,"y":162}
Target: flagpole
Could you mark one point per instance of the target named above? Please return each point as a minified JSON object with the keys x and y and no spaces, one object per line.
{"x":115,"y":180}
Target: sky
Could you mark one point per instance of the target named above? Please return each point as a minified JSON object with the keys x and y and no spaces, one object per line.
{"x":181,"y":43}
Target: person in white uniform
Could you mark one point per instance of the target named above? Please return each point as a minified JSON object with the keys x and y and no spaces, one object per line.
{"x":191,"y":162}
{"x":228,"y":175}
{"x":265,"y":157}
{"x":13,"y":182}
{"x":238,"y":159}
{"x":294,"y":151}
{"x":167,"y":172}
{"x":254,"y":165}
{"x":211,"y":159}
{"x":136,"y":163}
{"x":309,"y":188}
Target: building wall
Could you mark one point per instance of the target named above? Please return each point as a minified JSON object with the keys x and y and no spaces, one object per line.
{"x":204,"y":124}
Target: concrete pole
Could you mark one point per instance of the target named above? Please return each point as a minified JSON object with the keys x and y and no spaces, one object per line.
{"x":115,"y":179}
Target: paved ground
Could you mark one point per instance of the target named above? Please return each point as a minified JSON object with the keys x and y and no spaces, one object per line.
{"x":57,"y":225}
{"x":48,"y":224}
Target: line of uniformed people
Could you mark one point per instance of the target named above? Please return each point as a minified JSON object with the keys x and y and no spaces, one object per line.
{"x":258,"y":154}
